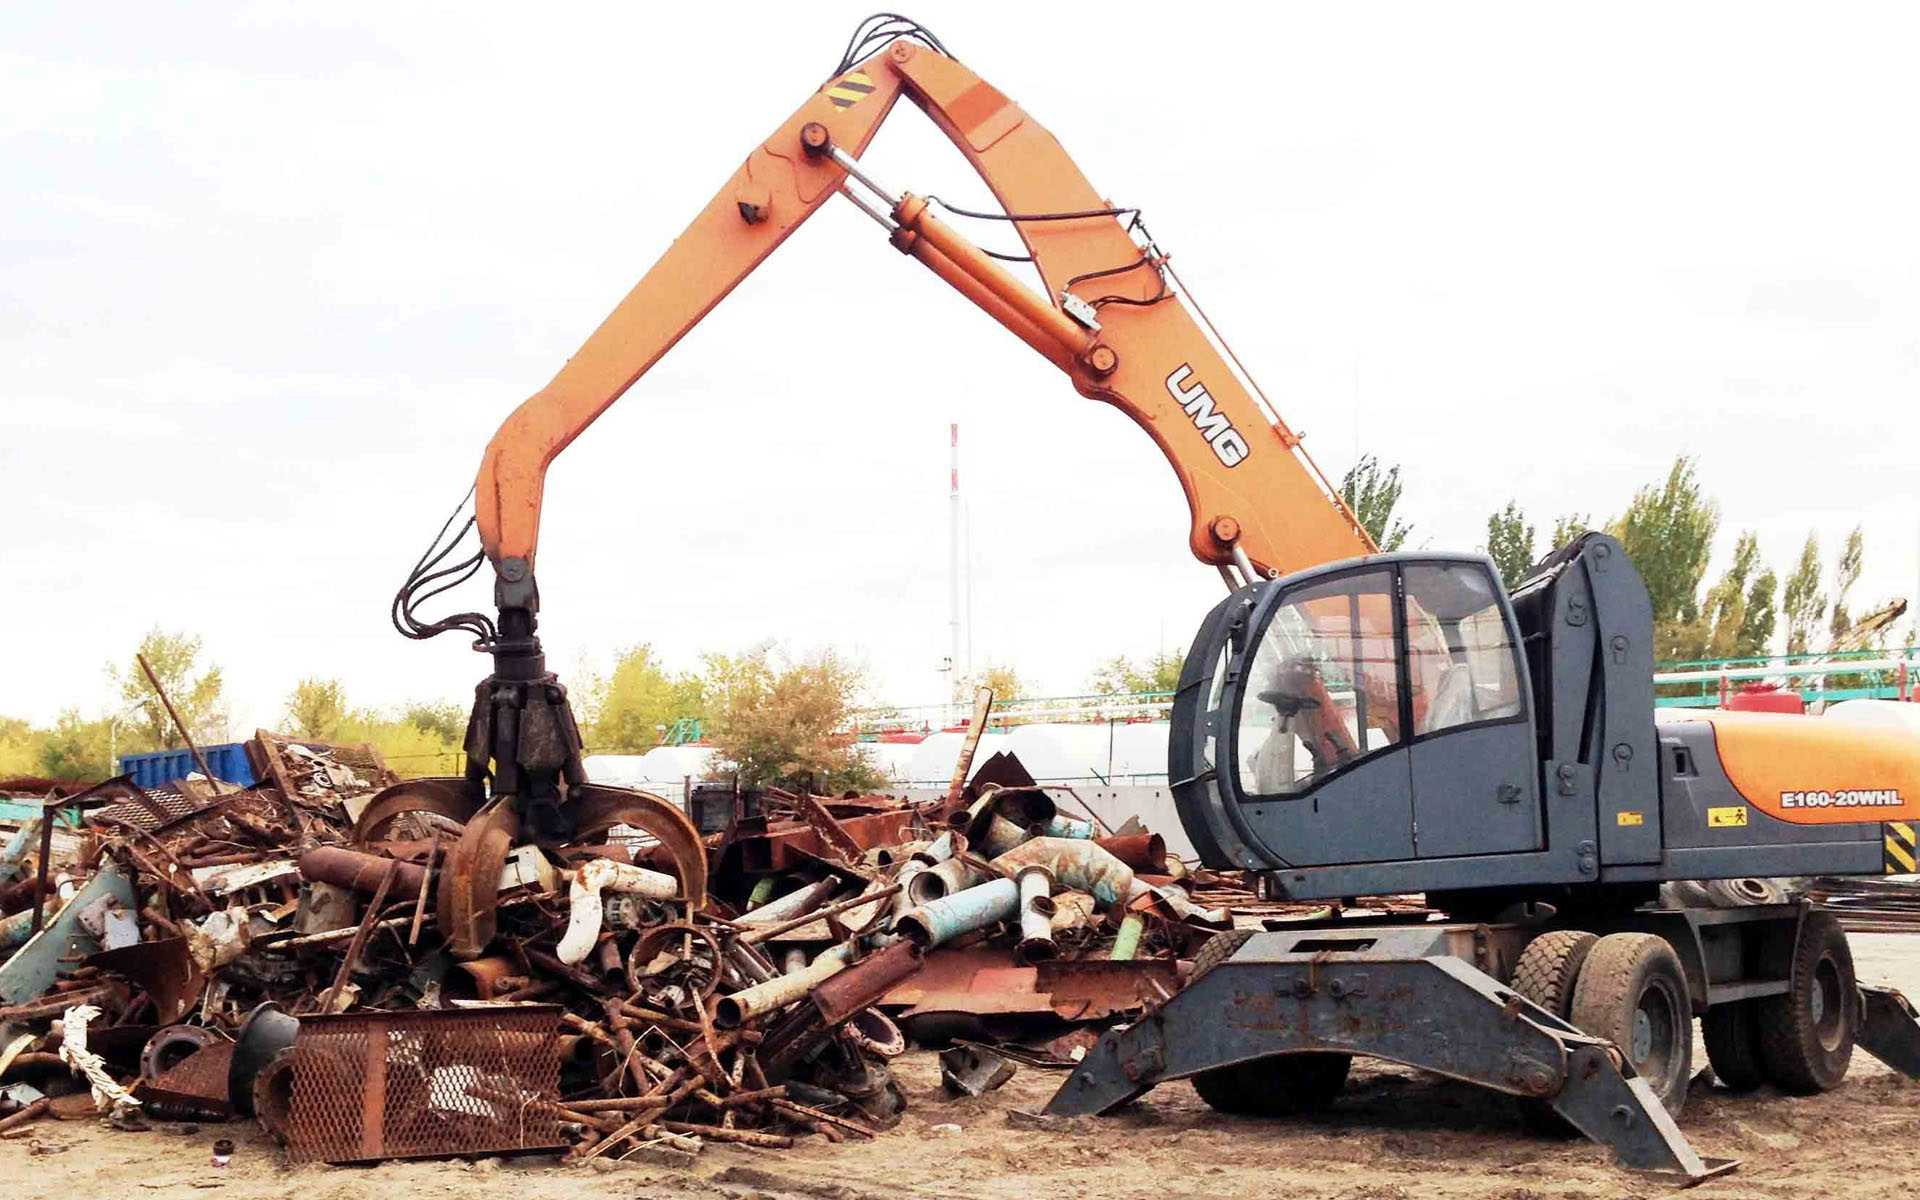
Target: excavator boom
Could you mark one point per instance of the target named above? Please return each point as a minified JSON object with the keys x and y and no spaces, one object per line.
{"x":1110,"y":318}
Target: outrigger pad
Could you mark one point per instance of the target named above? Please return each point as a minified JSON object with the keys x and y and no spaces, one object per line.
{"x":1889,"y":1029}
{"x":1390,"y":1001}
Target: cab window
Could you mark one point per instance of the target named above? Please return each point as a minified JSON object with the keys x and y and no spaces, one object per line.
{"x":1322,"y":690}
{"x":1462,"y":665}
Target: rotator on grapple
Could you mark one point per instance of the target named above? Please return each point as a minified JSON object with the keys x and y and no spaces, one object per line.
{"x":524,"y":780}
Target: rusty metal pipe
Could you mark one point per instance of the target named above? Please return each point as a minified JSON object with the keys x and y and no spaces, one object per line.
{"x":733,"y":1011}
{"x":944,"y":879}
{"x":1141,"y":851}
{"x":360,"y":872}
{"x":1076,"y":863}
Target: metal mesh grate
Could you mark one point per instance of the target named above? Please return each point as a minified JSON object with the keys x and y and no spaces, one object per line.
{"x":425,"y":1084}
{"x":196,"y":1086}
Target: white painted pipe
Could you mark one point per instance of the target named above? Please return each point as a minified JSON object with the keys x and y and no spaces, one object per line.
{"x":797,"y":903}
{"x":1037,"y":910}
{"x":593,"y":877}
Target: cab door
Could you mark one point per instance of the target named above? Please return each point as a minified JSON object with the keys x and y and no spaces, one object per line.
{"x":1314,"y":743}
{"x":1471,"y":747}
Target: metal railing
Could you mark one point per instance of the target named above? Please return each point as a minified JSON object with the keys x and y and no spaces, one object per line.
{"x":1854,"y":674}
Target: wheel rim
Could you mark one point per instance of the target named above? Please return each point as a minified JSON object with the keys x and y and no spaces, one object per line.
{"x":1828,"y":1012}
{"x":1656,"y":1026}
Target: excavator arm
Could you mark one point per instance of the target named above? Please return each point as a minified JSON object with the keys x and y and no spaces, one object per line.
{"x":1111,"y":319}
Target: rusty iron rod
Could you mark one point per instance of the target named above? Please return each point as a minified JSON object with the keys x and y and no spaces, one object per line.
{"x":47,"y":817}
{"x":199,"y":759}
{"x":963,"y":766}
{"x":746,"y":1137}
{"x":420,"y":900}
{"x":55,"y":1004}
{"x":807,"y":1112}
{"x":359,"y":941}
{"x":29,"y":1113}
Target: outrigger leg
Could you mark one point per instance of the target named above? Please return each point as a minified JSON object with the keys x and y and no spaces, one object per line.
{"x":1435,"y":1012}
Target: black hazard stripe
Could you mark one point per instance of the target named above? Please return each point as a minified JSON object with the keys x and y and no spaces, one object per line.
{"x":850,"y":89}
{"x":1898,"y":849}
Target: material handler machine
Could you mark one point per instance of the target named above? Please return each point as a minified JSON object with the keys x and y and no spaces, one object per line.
{"x":1348,"y":722}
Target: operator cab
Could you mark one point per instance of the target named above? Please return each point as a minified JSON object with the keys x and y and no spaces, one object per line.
{"x":1376,"y":709}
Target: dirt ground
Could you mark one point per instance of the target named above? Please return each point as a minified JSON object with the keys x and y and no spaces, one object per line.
{"x":1395,"y":1135}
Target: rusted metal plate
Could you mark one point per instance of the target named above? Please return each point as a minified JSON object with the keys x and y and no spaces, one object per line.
{"x":428,"y":1084}
{"x":827,"y":826}
{"x":984,"y":981}
{"x":1095,"y":989}
{"x":163,"y":968}
{"x":980,"y":980}
{"x":469,"y":888}
{"x":195,"y":1087}
{"x":780,"y":846}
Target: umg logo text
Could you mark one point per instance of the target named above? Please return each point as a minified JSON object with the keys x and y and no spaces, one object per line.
{"x":1228,"y":446}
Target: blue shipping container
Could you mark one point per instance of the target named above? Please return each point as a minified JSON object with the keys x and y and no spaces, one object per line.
{"x":229,"y":762}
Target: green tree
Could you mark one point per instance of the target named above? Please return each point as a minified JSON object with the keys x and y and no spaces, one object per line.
{"x":20,"y":746}
{"x":1846,"y":573}
{"x":195,"y":692}
{"x":783,"y":723}
{"x":1373,"y":493}
{"x":629,"y":709}
{"x":1569,"y":527}
{"x":77,"y":748}
{"x":1668,"y":533}
{"x":1510,"y":543}
{"x":1158,"y":672}
{"x":1738,"y":617}
{"x":408,"y":748}
{"x":445,"y":720}
{"x":1004,"y":681}
{"x":1802,"y":600}
{"x":316,"y":708}
{"x":1756,"y":627}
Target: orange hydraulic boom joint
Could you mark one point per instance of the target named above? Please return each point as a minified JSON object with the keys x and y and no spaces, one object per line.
{"x":1111,"y":316}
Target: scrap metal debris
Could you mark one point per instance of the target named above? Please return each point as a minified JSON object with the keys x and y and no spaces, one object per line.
{"x":375,"y":968}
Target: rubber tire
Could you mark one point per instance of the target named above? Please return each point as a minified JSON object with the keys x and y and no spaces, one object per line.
{"x":1277,"y":1086}
{"x":1219,"y":948}
{"x":1622,"y":970}
{"x":1798,"y":1056}
{"x":1732,"y":1034}
{"x":1549,"y":967}
{"x":1546,"y":973}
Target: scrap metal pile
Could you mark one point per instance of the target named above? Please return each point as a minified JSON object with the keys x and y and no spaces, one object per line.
{"x":325,"y":952}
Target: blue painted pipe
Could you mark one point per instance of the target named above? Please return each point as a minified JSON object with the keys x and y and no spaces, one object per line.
{"x":949,"y":917}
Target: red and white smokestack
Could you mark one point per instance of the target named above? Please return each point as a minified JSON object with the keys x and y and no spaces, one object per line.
{"x":955,"y":686}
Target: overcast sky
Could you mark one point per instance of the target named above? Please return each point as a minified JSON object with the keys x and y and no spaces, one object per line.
{"x":271,"y":274}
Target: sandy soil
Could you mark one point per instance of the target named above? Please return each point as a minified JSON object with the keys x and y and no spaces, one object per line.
{"x":1395,"y":1135}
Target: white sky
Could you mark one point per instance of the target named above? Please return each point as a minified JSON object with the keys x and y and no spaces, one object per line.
{"x":271,"y":274}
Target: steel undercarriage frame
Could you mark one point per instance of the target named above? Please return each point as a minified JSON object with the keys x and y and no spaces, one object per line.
{"x":1430,"y":996}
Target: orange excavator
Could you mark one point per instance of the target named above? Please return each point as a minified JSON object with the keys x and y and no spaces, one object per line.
{"x":1113,"y":318}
